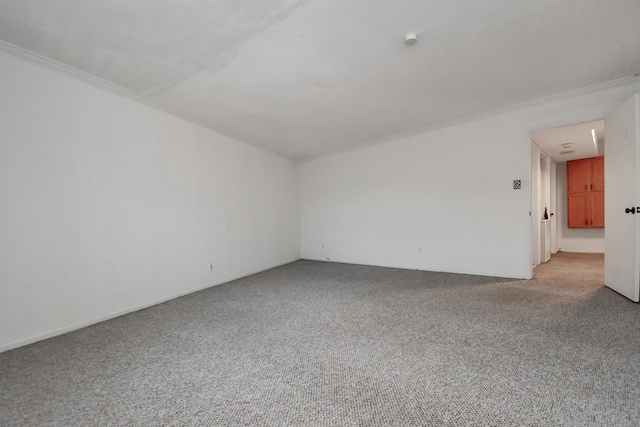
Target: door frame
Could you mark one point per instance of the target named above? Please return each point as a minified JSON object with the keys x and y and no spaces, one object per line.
{"x":541,"y":181}
{"x":578,"y":106}
{"x":533,"y":224}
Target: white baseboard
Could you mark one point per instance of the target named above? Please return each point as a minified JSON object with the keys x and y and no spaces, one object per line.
{"x":404,"y":267}
{"x":84,"y":324}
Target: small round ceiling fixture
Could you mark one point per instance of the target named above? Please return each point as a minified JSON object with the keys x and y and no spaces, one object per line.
{"x":410,"y":39}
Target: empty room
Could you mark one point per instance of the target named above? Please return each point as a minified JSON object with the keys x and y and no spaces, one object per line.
{"x":329,"y":213}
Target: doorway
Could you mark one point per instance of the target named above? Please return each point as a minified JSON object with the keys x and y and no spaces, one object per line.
{"x":551,"y":149}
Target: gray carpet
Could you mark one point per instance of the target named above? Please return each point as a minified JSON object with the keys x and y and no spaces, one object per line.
{"x":333,"y":344}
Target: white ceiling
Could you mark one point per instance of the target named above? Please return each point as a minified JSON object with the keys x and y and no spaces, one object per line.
{"x":571,"y":142}
{"x":304,"y":78}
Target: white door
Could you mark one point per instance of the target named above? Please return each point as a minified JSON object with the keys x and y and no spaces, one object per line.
{"x":552,"y":209}
{"x":622,"y":199}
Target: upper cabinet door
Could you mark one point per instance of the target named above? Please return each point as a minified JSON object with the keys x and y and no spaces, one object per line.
{"x":597,"y":174}
{"x":578,"y":175}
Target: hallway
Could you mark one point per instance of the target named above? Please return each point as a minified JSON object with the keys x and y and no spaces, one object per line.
{"x":572,"y":270}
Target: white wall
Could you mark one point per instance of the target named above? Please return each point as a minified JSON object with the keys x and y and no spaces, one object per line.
{"x":109,"y":205}
{"x":446,"y":193}
{"x":586,"y":240}
{"x":442,"y":200}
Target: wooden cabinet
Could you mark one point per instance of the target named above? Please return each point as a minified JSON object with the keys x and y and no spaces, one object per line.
{"x":597,"y":209}
{"x":578,"y":172}
{"x":579,"y":210}
{"x":585,"y":185}
{"x":597,"y":174}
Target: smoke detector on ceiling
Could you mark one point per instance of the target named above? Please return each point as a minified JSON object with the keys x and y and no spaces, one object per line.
{"x":410,"y":39}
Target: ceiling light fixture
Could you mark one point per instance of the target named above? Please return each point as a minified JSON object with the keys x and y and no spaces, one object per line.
{"x":410,"y":39}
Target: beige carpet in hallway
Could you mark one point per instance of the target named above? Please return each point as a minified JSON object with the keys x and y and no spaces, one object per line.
{"x":572,"y":271}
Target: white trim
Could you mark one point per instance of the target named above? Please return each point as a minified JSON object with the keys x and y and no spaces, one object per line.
{"x":119,"y":90}
{"x":84,"y":324}
{"x":404,"y":267}
{"x":95,"y":81}
{"x":502,"y":110}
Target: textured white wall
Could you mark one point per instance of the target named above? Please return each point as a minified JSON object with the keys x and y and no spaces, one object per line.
{"x":108,"y":205}
{"x":442,"y":199}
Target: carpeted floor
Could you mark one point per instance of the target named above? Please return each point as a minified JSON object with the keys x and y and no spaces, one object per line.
{"x":329,"y":344}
